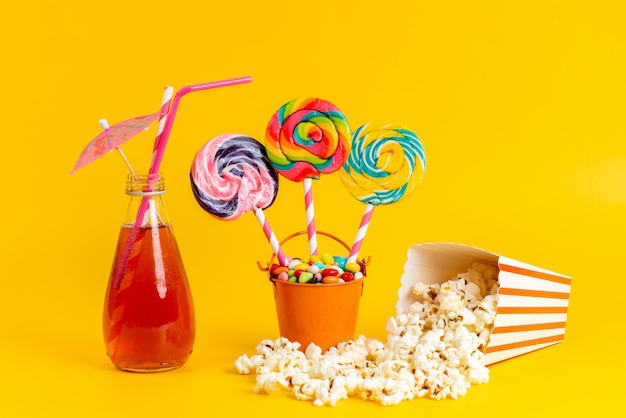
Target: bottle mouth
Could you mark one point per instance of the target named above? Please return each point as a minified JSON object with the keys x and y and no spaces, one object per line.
{"x":145,"y":184}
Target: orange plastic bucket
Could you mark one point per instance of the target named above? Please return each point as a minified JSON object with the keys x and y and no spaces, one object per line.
{"x":324,"y":314}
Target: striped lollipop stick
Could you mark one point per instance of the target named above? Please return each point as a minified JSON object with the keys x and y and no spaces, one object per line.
{"x":310,"y":215}
{"x":360,"y":235}
{"x":271,"y":237}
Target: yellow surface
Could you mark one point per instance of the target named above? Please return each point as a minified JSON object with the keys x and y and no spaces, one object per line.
{"x":520,"y":106}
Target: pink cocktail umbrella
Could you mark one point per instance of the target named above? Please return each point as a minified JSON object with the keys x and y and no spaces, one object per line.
{"x":112,"y":137}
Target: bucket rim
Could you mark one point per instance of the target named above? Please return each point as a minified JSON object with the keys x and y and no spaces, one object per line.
{"x":324,"y":285}
{"x":364,"y":262}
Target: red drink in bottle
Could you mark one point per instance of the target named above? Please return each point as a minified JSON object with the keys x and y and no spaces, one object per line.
{"x":148,"y":319}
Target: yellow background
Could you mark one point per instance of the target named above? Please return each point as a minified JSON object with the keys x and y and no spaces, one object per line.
{"x":519,"y":105}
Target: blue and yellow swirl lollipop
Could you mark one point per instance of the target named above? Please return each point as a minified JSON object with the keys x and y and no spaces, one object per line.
{"x":386,"y":163}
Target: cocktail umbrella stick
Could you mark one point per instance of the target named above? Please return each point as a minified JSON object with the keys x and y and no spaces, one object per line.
{"x":105,"y":125}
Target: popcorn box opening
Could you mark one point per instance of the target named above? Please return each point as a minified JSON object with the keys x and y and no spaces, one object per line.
{"x":532,"y":302}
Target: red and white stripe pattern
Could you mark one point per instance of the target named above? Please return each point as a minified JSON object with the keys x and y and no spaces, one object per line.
{"x":163,"y":113}
{"x":271,"y":237}
{"x":531,"y":312}
{"x":360,"y":235}
{"x":310,"y":215}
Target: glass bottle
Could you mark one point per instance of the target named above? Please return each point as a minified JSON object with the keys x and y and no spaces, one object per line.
{"x":148,"y":319}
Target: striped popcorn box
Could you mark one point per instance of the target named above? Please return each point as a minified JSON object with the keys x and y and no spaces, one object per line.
{"x":532,"y":302}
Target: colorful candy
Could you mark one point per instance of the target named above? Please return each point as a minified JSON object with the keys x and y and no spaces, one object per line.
{"x":305,"y":277}
{"x":307,"y":137}
{"x":327,"y":259}
{"x":330,"y":280}
{"x":347,"y":276}
{"x":309,"y":272}
{"x":385,"y":164}
{"x":353,"y":267}
{"x":231,"y":174}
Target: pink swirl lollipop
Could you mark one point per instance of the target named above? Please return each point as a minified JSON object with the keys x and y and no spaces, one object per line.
{"x":231,"y":175}
{"x":305,"y":138}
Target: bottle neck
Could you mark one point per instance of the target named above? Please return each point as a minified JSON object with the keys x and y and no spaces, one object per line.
{"x":146,"y":195}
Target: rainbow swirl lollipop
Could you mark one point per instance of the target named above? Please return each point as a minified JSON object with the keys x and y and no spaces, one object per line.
{"x":231,"y":174}
{"x":306,"y":138}
{"x":386,"y":163}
